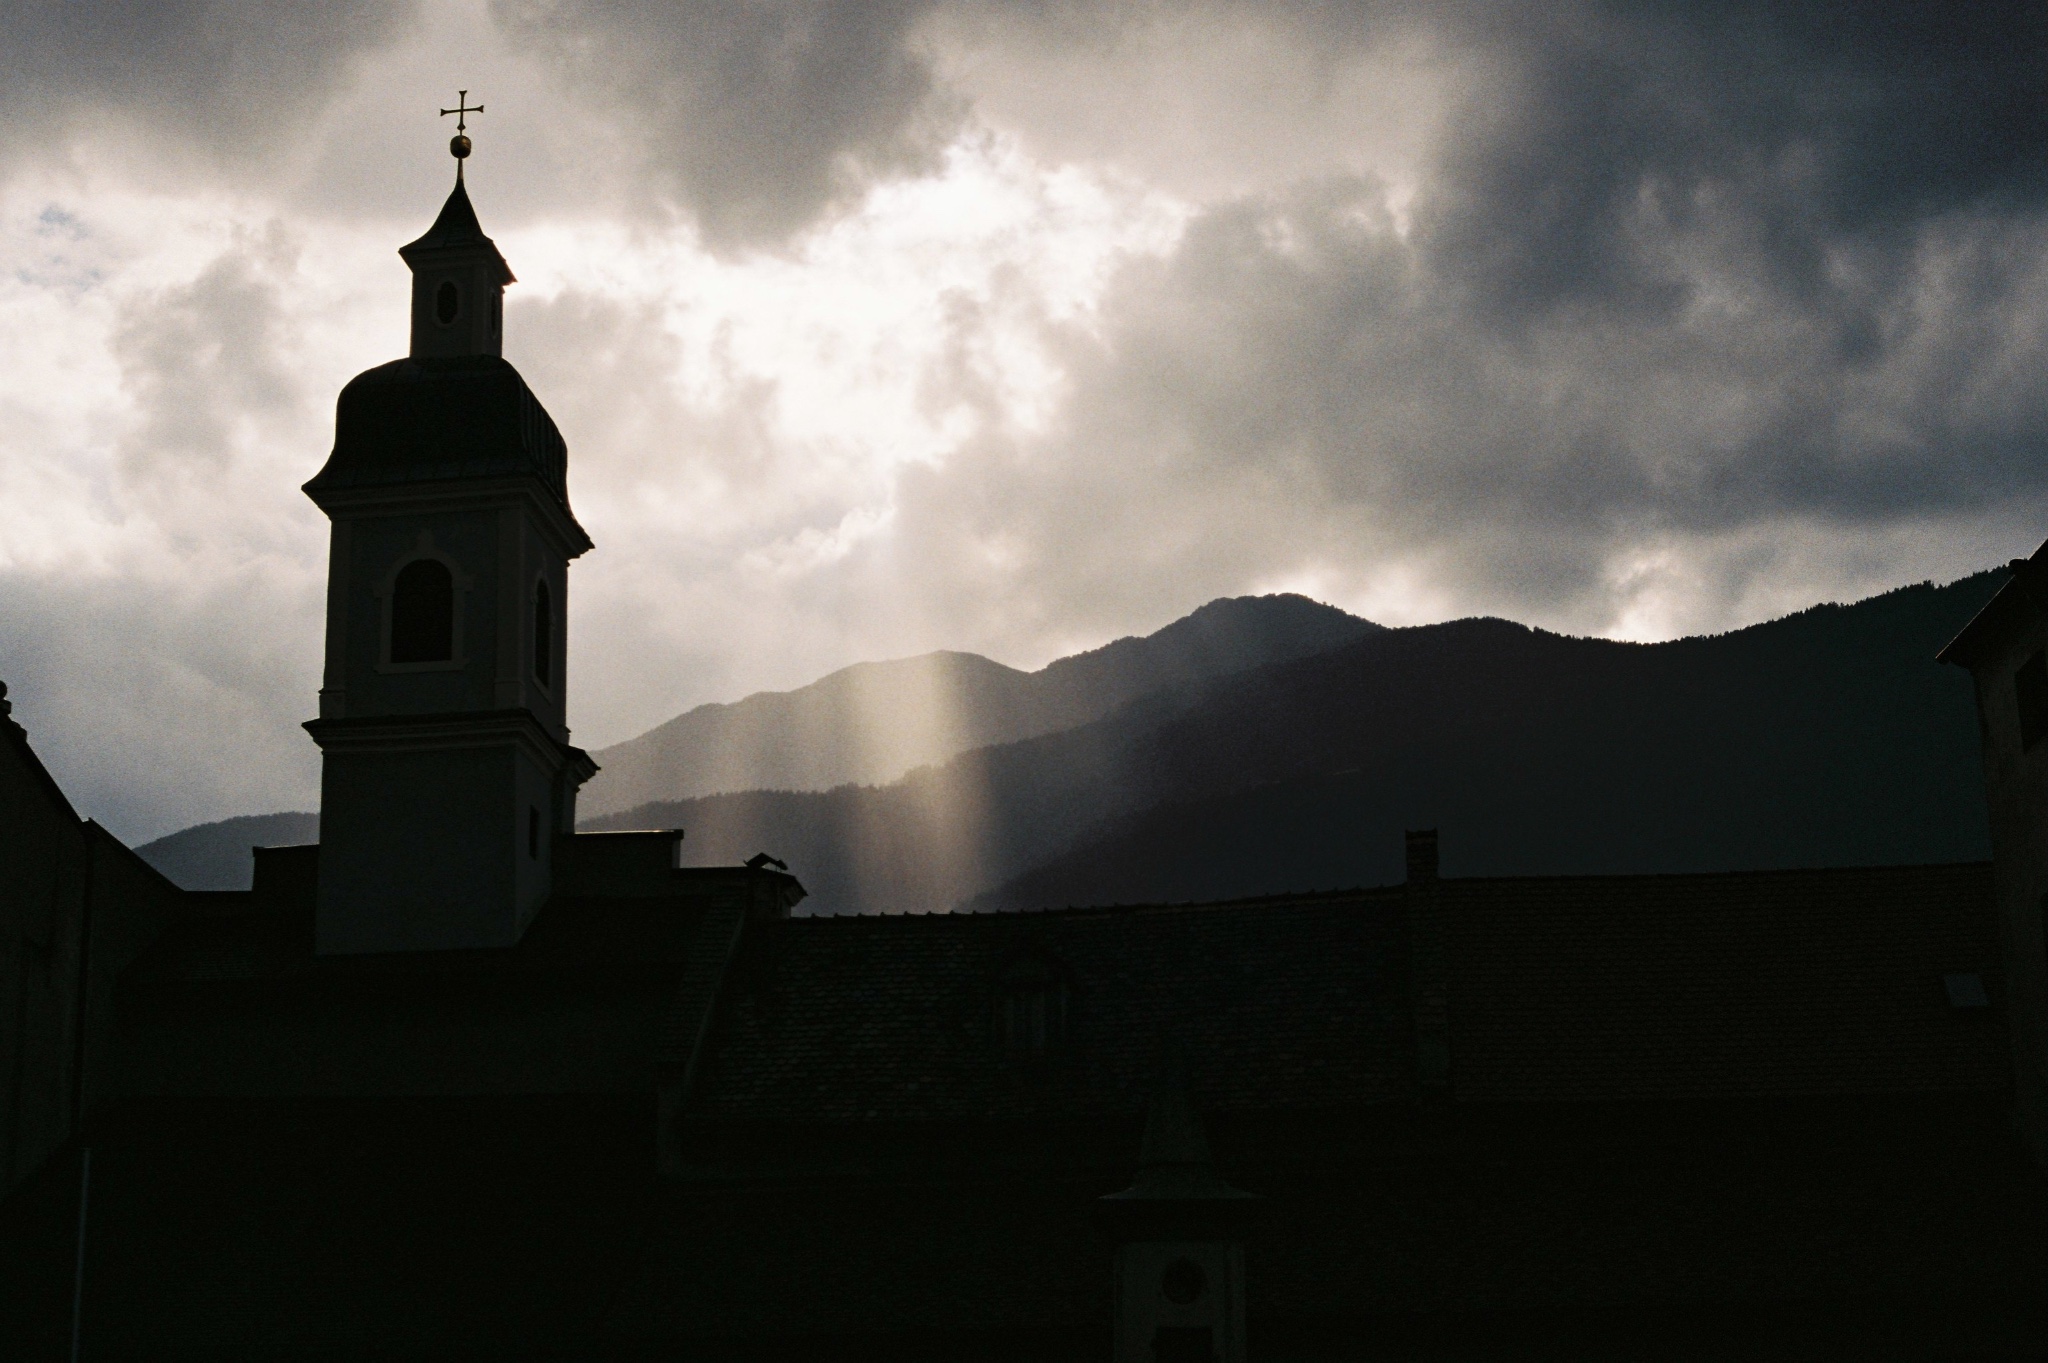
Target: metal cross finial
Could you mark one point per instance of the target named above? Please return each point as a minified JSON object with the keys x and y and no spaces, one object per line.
{"x":458,"y":145}
{"x":462,"y":110}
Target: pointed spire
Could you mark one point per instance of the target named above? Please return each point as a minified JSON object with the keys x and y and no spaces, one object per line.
{"x":459,"y":281}
{"x":456,"y":227}
{"x":1174,"y":1163}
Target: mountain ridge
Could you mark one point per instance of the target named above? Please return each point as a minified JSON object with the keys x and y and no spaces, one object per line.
{"x":1827,"y":736}
{"x":216,"y":856}
{"x":873,"y":722}
{"x":1299,"y":773}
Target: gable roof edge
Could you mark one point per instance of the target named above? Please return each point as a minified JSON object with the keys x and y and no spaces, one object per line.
{"x":2028,"y":585}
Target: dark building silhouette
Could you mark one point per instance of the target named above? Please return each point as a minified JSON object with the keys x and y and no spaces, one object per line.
{"x":2005,"y":649}
{"x":461,"y":1082}
{"x":75,"y":909}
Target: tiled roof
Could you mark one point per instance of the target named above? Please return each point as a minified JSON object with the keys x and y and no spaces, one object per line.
{"x":893,"y":1018}
{"x":1560,"y":988}
{"x":1778,"y":983}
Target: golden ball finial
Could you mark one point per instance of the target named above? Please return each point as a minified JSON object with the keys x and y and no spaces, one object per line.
{"x":458,"y":145}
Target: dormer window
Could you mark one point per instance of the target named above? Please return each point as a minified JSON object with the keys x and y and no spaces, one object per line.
{"x":1031,"y":1007}
{"x":423,"y":613}
{"x":447,"y":302}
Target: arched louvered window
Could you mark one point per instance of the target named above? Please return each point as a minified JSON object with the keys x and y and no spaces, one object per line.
{"x":543,"y":634}
{"x":447,"y":302}
{"x":423,"y":613}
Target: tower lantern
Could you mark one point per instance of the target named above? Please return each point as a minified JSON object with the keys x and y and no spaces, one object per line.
{"x":458,"y":277}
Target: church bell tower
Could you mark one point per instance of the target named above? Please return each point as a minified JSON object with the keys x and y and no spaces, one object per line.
{"x":446,"y":767}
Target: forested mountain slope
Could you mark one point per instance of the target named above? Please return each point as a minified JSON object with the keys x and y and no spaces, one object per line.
{"x":215,"y":856}
{"x":1827,"y":737}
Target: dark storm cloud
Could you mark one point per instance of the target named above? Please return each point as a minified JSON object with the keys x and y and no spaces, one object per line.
{"x":1816,"y":126}
{"x":1298,"y":388}
{"x":1667,"y":273}
{"x":1670,"y":274}
{"x":1832,"y":216}
{"x":225,"y":75}
{"x":1823,"y":119}
{"x":761,"y":116}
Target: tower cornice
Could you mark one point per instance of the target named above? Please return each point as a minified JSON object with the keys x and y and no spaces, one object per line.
{"x":460,"y":729}
{"x":520,"y":490}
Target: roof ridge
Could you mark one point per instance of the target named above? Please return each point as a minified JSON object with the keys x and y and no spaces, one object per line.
{"x":1288,"y":897}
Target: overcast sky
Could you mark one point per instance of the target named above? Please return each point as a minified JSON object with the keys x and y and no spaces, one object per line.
{"x":889,"y":326}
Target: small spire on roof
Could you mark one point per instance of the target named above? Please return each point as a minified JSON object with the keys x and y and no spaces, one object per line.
{"x":458,"y":145}
{"x":1174,"y":1163}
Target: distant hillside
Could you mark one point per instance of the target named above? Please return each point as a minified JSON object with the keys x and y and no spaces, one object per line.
{"x":1829,"y":737}
{"x":215,"y":856}
{"x":872,"y":722}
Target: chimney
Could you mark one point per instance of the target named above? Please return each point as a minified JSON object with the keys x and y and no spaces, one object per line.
{"x":1421,"y":856}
